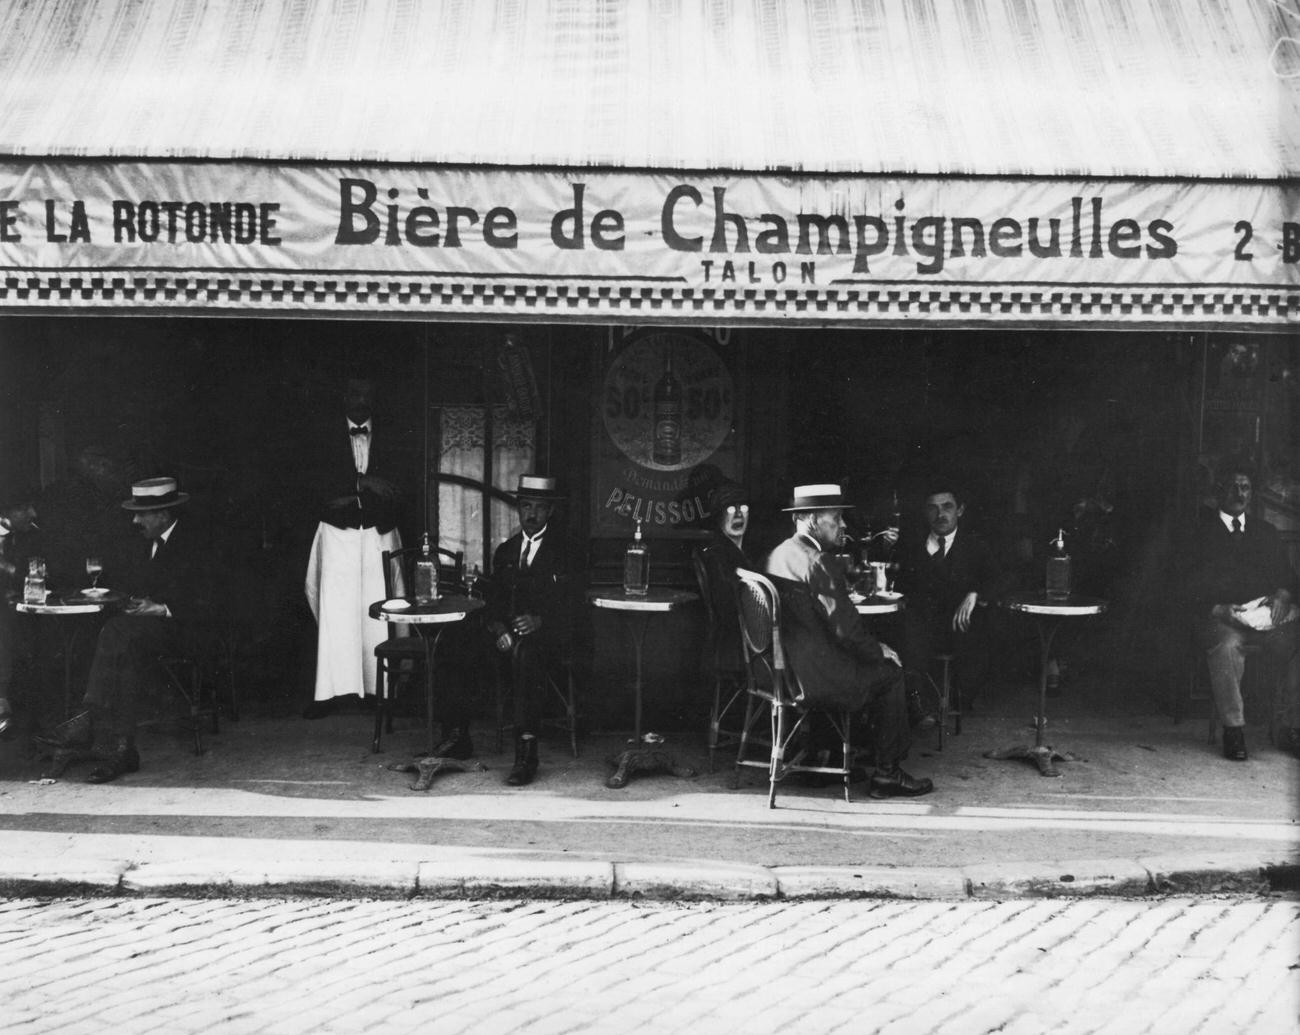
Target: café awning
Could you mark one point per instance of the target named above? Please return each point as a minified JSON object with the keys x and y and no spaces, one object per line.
{"x":829,"y":161}
{"x":1134,"y":88}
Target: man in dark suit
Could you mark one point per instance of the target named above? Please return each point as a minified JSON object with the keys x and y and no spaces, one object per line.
{"x":530,"y":612}
{"x":357,"y":505}
{"x":945,"y":577}
{"x":169,"y":579}
{"x":16,"y":519}
{"x":1236,"y":560}
{"x":837,"y":662}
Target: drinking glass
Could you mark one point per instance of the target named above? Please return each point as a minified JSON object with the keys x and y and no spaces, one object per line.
{"x":93,"y":568}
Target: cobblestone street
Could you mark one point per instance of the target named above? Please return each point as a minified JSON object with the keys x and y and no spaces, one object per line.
{"x":288,"y":966}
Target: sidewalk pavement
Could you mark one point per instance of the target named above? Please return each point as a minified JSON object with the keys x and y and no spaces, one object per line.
{"x":282,"y":806}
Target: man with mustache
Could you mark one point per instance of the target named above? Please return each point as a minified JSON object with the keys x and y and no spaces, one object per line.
{"x":1237,"y":559}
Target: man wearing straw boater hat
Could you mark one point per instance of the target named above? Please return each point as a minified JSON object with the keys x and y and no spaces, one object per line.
{"x":529,"y":615}
{"x":837,"y":662}
{"x":168,"y":579}
{"x":358,"y":513}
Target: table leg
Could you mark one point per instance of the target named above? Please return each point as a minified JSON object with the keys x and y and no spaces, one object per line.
{"x":1044,"y":756}
{"x":639,"y":758}
{"x":430,"y":639}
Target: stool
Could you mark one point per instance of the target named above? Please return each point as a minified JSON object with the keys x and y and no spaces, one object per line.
{"x":947,"y":693}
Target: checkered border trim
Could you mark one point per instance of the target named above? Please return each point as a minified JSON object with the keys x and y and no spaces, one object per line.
{"x":467,"y":297}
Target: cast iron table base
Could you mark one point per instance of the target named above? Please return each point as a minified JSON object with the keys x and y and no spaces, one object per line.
{"x":430,"y":767}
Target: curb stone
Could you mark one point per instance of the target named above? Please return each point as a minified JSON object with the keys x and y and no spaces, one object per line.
{"x":672,"y":880}
{"x":470,"y":874}
{"x":492,"y":877}
{"x":795,"y":882}
{"x":1080,"y":878}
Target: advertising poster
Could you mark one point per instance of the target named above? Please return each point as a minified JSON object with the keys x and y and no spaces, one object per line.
{"x":666,"y":429}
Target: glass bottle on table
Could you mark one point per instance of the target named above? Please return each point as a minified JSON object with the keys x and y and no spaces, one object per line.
{"x":1058,"y":569}
{"x":34,"y":583}
{"x":426,"y":574}
{"x":636,"y":565}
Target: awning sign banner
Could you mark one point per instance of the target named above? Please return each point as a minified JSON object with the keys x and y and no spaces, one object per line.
{"x":691,"y":230}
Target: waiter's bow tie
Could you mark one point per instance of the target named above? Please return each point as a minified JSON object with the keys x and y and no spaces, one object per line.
{"x":359,"y":431}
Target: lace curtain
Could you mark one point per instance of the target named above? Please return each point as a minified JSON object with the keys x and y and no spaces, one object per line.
{"x":460,"y":508}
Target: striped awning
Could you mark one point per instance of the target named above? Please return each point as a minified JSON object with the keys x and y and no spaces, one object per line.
{"x":1125,"y":88}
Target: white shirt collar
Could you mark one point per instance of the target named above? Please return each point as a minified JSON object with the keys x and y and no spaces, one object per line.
{"x":932,"y":544}
{"x":364,"y":424}
{"x":1227,"y":519}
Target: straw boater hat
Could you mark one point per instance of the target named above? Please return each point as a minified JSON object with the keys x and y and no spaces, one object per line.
{"x":155,"y":494}
{"x":818,"y":497}
{"x":536,"y":487}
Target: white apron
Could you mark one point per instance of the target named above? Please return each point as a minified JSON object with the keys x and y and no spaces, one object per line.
{"x":344,"y":577}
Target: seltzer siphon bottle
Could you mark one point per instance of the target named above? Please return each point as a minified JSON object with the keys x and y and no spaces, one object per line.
{"x":1058,"y":569}
{"x":426,"y":574}
{"x":636,"y":565}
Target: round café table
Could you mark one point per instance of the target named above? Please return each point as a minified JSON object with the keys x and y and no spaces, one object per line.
{"x":880,"y":604}
{"x":641,"y":758}
{"x":1048,"y":614}
{"x":429,"y":621}
{"x":71,"y":606}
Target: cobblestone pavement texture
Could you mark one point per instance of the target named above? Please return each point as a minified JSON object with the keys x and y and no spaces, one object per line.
{"x":281,"y":967}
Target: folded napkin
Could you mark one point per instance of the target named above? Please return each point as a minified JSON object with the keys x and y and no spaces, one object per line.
{"x":1257,"y":615}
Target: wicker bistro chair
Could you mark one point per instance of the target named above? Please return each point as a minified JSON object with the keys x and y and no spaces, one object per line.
{"x":773,"y":686}
{"x":728,"y":670}
{"x":401,"y":657}
{"x":184,"y":672}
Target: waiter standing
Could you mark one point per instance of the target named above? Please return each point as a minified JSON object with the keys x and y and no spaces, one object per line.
{"x":358,"y":514}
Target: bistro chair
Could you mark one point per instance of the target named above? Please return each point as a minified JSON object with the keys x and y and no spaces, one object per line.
{"x":401,"y":656}
{"x":1257,"y":689}
{"x":186,"y":673}
{"x":560,"y":687}
{"x":721,"y":653}
{"x":945,"y":692}
{"x":773,"y":686}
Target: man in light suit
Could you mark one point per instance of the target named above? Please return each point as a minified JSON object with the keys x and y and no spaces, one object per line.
{"x":945,"y":576}
{"x":1234,"y":559}
{"x":837,"y":662}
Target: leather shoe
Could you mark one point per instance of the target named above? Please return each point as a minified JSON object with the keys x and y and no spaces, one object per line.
{"x":1234,"y":743}
{"x":319,"y":709}
{"x":897,"y":783}
{"x":123,"y":759}
{"x":76,"y":732}
{"x":525,"y":768}
{"x":455,"y":744}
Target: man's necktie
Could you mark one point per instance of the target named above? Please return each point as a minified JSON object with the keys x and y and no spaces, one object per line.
{"x":1237,"y":533}
{"x":359,"y":431}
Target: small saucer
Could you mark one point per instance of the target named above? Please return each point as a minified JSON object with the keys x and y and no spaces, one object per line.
{"x":94,"y":591}
{"x":396,"y":604}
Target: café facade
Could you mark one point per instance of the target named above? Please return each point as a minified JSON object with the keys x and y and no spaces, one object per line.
{"x":1053,"y":246}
